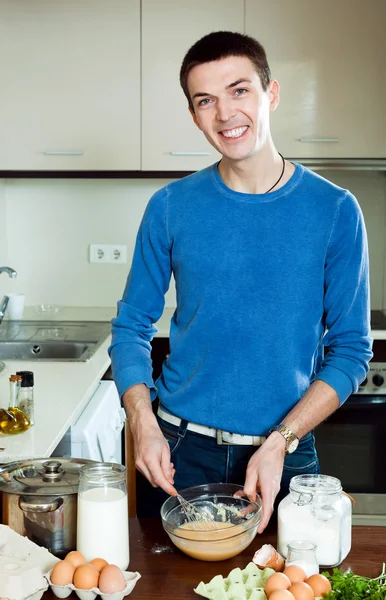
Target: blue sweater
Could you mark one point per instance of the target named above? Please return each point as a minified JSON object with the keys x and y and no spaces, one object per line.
{"x":264,"y":282}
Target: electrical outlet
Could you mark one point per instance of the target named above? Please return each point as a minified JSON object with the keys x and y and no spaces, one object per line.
{"x":118,"y":253}
{"x":107,"y":253}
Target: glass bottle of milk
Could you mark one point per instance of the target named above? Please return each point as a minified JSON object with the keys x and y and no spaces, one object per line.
{"x":103,"y":524}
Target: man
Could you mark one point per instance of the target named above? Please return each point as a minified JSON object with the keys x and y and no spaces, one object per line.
{"x":271,"y":266}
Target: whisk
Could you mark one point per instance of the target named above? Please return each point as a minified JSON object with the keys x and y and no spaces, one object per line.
{"x":201,"y":518}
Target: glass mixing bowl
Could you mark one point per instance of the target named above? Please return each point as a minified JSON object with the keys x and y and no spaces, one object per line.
{"x":228,"y":526}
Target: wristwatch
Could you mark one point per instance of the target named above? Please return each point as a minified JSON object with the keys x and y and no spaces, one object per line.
{"x":292,"y":440}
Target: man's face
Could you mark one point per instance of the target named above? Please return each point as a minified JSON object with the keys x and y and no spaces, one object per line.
{"x":230,"y":106}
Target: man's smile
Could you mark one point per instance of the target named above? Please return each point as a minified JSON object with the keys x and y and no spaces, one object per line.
{"x":234,"y":133}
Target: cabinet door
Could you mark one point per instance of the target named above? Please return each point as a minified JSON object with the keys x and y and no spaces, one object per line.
{"x":329,"y":60}
{"x":170,"y":140}
{"x":70,"y":84}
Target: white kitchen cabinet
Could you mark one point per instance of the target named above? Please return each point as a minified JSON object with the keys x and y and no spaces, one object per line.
{"x":70,"y":85}
{"x":170,"y":139}
{"x":329,"y":58}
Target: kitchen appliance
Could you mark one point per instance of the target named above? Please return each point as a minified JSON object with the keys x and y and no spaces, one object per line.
{"x":40,"y":500}
{"x":351,"y":442}
{"x":97,"y":433}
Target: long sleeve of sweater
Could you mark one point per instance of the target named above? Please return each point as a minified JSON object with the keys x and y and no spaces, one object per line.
{"x":346,"y":302}
{"x":143,"y":300}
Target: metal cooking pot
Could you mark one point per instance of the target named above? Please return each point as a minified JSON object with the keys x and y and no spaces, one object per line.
{"x":40,"y":500}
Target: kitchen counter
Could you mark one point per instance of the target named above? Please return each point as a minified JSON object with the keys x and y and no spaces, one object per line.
{"x":62,"y":389}
{"x":168,"y":573}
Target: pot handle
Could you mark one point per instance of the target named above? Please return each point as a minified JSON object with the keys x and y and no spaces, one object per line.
{"x":44,"y":507}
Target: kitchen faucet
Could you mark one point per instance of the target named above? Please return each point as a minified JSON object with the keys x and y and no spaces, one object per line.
{"x":4,"y":302}
{"x":11,"y":272}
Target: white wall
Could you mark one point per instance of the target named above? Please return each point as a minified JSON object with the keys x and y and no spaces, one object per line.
{"x":369,"y":187}
{"x":50,"y":224}
{"x":46,"y":226}
{"x":3,"y":225}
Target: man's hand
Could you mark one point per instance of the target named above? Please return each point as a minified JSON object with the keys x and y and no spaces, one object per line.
{"x":264,"y":471}
{"x":152,"y":458}
{"x":151,"y":450}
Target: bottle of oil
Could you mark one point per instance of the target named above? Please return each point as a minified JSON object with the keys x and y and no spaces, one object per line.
{"x":14,"y":421}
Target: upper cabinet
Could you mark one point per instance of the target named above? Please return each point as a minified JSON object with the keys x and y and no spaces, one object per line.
{"x":170,"y":139}
{"x":329,"y":58}
{"x":70,"y":85}
{"x":94,"y":84}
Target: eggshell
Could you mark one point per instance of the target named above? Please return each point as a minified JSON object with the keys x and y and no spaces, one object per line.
{"x":281,"y":595}
{"x":86,"y":577}
{"x":62,"y":573}
{"x":111,"y":580}
{"x":75,"y":558}
{"x":98,"y":563}
{"x":302,"y":591}
{"x":268,"y":556}
{"x":277,"y":581}
{"x":320,"y":584}
{"x":295,"y":573}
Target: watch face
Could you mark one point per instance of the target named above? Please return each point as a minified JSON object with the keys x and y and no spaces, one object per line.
{"x":292,"y":446}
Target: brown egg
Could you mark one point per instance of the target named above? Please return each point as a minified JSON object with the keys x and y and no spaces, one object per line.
{"x":302,"y":591}
{"x":98,"y":563}
{"x":277,"y":581}
{"x":295,"y":573}
{"x":320,"y":584}
{"x":111,"y":580}
{"x":75,"y":558}
{"x":281,"y":595}
{"x":86,"y":577}
{"x":62,"y":573}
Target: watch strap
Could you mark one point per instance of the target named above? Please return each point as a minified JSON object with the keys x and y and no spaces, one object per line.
{"x":287,"y":433}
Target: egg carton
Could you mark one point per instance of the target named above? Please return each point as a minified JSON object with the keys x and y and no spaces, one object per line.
{"x":22,"y":564}
{"x":62,"y":591}
{"x":240,"y":584}
{"x":19,"y":581}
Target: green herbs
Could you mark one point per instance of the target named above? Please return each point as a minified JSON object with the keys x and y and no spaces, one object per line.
{"x":348,"y":586}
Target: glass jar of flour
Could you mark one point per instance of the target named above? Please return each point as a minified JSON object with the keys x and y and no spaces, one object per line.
{"x":316,"y":509}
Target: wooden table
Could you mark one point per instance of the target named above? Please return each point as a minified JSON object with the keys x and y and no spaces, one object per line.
{"x":168,"y":573}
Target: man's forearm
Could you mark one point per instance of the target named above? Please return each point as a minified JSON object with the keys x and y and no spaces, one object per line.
{"x":318,"y":403}
{"x":137,"y":404}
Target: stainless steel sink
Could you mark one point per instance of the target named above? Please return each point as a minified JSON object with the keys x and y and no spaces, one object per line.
{"x":51,"y":340}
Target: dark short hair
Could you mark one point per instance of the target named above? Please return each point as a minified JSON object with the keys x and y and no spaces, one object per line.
{"x":221,"y":44}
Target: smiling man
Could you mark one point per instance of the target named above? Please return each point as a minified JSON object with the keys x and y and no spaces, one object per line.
{"x":271,"y":266}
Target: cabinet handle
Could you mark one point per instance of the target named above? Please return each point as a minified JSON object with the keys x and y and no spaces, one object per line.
{"x":63,"y":153}
{"x":320,"y":140}
{"x":190,"y":153}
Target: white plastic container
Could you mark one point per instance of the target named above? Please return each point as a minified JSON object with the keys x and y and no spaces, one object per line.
{"x":316,"y":509}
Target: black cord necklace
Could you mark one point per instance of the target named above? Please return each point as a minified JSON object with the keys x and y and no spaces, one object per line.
{"x":282,"y":173}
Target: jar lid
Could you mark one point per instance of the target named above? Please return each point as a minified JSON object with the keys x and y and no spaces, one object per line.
{"x":27,"y":378}
{"x":315,"y":485}
{"x":42,"y":476}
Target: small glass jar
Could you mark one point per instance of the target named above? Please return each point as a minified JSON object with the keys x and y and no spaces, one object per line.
{"x":103,"y":523}
{"x":316,"y":509}
{"x":303,"y":554}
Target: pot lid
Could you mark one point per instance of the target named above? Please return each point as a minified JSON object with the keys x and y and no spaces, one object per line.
{"x":42,"y":476}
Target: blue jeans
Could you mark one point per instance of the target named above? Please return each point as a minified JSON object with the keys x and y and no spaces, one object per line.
{"x":198,"y":459}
